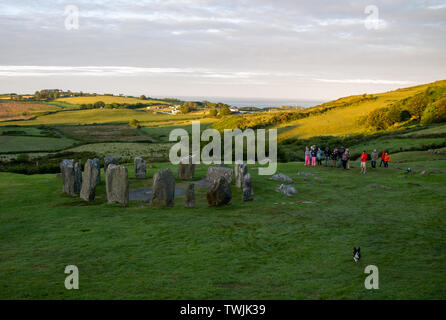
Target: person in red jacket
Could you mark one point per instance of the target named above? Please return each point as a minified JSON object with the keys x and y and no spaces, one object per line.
{"x":386,"y":159}
{"x":382,"y":158}
{"x":363,"y":162}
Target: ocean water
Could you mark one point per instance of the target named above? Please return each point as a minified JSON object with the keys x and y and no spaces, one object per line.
{"x":253,"y":102}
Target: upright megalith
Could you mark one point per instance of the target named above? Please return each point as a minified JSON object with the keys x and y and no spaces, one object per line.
{"x":190,"y":195}
{"x":240,"y":170}
{"x":77,"y":177}
{"x":68,"y":176}
{"x":220,"y":192}
{"x":110,"y":160}
{"x":117,"y":184}
{"x":247,"y":188}
{"x":186,"y":168}
{"x":163,"y":189}
{"x":97,"y":165}
{"x":89,"y":181}
{"x":216,"y":172}
{"x":140,"y":168}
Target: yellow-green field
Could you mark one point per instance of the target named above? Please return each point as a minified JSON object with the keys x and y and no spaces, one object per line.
{"x":108,"y":100}
{"x":91,"y":116}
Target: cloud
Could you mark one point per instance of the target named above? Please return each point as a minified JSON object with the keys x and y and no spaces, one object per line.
{"x":366,"y":81}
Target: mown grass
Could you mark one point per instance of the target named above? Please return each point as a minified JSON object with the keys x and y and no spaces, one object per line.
{"x":273,"y":248}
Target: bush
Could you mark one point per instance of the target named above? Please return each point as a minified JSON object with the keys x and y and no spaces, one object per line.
{"x":213,"y":112}
{"x":417,"y":104}
{"x":429,"y":115}
{"x":23,"y":157}
{"x":441,"y":110}
{"x":378,"y":119}
{"x":134,"y":123}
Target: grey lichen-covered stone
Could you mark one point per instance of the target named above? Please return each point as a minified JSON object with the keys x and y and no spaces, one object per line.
{"x":140,"y":168}
{"x":97,"y":165}
{"x":89,"y":181}
{"x":110,"y":160}
{"x":163,"y":189}
{"x":68,"y":176}
{"x":77,"y":177}
{"x":117,"y":184}
{"x":247,"y":188}
{"x":216,"y":172}
{"x":190,"y":196}
{"x":186,"y":168}
{"x":282,"y":178}
{"x":286,"y":190}
{"x":240,"y":170}
{"x":220,"y":192}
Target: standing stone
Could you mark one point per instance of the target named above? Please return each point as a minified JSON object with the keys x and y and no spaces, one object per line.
{"x":140,"y":168}
{"x":97,"y":165}
{"x":219,"y":193}
{"x":241,"y":169}
{"x":77,"y":177}
{"x":117,"y":184}
{"x":68,"y":176}
{"x":108,"y":161}
{"x":216,"y":172}
{"x":247,"y":188}
{"x":190,"y":195}
{"x":186,"y":168}
{"x":89,"y":181}
{"x":163,"y":189}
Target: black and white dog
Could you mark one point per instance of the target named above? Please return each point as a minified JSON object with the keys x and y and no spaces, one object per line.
{"x":356,"y":254}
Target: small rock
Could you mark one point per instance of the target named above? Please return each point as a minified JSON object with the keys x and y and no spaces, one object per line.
{"x":286,"y":190}
{"x":282,"y":178}
{"x":318,"y":179}
{"x":302,"y":173}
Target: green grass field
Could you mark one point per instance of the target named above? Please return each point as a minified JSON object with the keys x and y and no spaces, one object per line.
{"x":31,"y":144}
{"x":274,"y":248}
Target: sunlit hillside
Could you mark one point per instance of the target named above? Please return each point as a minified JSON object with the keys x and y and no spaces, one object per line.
{"x":344,"y":120}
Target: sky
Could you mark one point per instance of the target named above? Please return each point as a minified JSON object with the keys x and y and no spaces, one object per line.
{"x":250,"y":49}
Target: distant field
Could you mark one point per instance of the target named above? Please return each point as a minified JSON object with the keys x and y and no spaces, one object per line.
{"x":103,"y":133}
{"x":161,"y":131}
{"x":27,"y":131}
{"x":415,"y":156}
{"x":23,"y":143}
{"x":108,"y":100}
{"x":126,"y":149}
{"x":92,"y":116}
{"x":10,"y":110}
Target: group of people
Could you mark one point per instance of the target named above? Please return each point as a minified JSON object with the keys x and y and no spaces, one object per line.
{"x":340,"y":157}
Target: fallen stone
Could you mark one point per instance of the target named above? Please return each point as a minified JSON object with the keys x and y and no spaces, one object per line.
{"x":117,"y":184}
{"x":318,"y":179}
{"x":282,"y":178}
{"x":216,"y":172}
{"x":140,"y":168}
{"x":163,"y":189}
{"x":302,"y":173}
{"x":220,"y":192}
{"x":190,"y":196}
{"x":286,"y":190}
{"x":89,"y":181}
